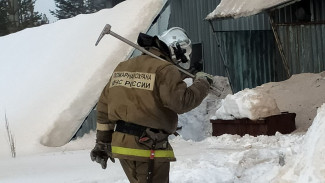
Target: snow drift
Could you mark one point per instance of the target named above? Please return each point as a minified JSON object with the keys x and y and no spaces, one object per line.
{"x":302,"y":94}
{"x":309,"y":164}
{"x":51,"y":76}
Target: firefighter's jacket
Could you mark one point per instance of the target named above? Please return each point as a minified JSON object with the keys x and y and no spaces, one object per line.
{"x":149,"y":92}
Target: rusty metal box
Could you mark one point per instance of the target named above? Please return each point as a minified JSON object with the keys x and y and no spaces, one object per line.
{"x":283,"y":123}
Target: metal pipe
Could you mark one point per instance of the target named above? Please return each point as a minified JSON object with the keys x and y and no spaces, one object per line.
{"x":278,"y":42}
{"x":222,"y":57}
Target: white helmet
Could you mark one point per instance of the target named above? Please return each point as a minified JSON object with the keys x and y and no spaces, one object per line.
{"x":180,"y":46}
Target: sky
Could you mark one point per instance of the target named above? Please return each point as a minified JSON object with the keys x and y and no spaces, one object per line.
{"x":44,"y":7}
{"x":51,"y":90}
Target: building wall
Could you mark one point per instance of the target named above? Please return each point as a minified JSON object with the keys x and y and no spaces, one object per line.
{"x":304,"y":47}
{"x":252,"y":58}
{"x":245,"y":46}
{"x":301,"y":29}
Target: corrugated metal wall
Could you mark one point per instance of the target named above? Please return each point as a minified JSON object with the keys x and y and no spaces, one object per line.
{"x":190,"y":14}
{"x":314,"y":11}
{"x":252,"y":57}
{"x":303,"y":37}
{"x":318,"y":9}
{"x":247,"y":44}
{"x":304,"y":47}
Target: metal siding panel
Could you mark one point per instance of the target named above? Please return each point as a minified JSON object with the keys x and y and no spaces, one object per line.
{"x":287,"y":14}
{"x":239,"y":60}
{"x":319,"y":7}
{"x":262,"y":58}
{"x":248,"y":54}
{"x":255,"y":78}
{"x":300,"y":51}
{"x":321,"y":14}
{"x":296,"y":52}
{"x":316,"y":50}
{"x":307,"y":36}
{"x":260,"y":64}
{"x":286,"y":37}
{"x":321,"y":47}
{"x":209,"y":41}
{"x":304,"y":47}
{"x":314,"y":55}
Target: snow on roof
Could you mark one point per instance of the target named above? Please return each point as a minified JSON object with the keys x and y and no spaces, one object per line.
{"x":242,"y":8}
{"x":51,"y":76}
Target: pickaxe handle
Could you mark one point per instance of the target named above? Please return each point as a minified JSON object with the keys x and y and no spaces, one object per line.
{"x":107,"y":30}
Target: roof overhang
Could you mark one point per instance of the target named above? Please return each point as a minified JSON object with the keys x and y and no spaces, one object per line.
{"x":243,"y":8}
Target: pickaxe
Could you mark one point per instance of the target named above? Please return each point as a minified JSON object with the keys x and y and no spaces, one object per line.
{"x":107,"y":30}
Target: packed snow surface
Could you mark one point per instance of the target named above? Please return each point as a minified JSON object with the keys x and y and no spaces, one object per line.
{"x":47,"y":79}
{"x":241,"y":8}
{"x":302,"y":94}
{"x":309,"y":164}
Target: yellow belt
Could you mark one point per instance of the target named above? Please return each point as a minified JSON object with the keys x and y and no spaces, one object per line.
{"x":142,"y":152}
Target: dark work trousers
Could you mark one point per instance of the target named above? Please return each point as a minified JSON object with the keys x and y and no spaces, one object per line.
{"x":137,"y":171}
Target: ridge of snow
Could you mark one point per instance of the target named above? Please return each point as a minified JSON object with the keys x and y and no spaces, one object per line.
{"x":51,"y":76}
{"x":242,"y":8}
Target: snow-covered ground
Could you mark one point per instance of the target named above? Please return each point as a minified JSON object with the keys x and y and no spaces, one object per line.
{"x":51,"y":76}
{"x":228,"y":158}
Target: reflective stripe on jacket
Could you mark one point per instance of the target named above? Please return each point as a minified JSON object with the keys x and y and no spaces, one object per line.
{"x":127,"y":146}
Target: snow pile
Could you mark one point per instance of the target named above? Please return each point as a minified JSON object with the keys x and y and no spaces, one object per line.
{"x":247,"y":103}
{"x":240,"y":8}
{"x":302,"y":94}
{"x":309,"y":165}
{"x":51,"y":76}
{"x":196,"y":123}
{"x":231,"y":158}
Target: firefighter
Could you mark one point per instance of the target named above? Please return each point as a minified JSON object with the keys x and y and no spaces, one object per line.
{"x":138,"y":109}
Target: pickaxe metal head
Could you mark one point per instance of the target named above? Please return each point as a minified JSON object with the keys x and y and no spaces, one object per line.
{"x":106,"y":30}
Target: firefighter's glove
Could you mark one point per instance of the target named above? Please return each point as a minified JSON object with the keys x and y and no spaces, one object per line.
{"x":101,"y":153}
{"x":203,"y":75}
